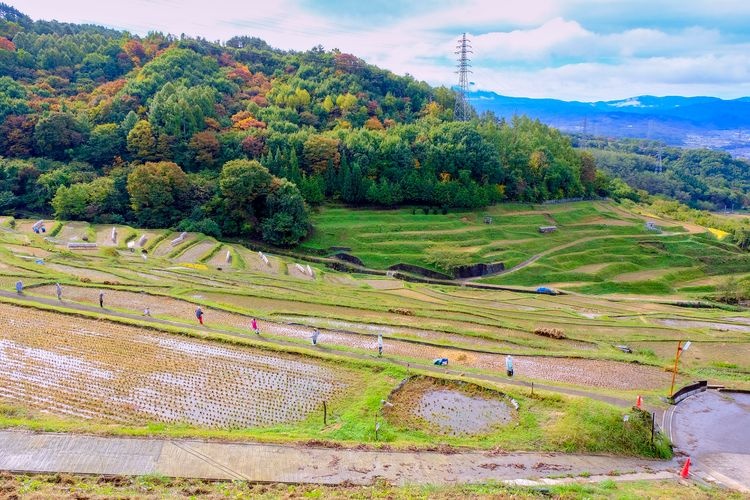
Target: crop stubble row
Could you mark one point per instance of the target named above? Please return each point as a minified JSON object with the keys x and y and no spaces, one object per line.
{"x":97,"y":369}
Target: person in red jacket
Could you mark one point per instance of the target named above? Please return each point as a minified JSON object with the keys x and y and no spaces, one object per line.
{"x":199,"y":315}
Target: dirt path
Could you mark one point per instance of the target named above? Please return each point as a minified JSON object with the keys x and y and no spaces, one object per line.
{"x":47,"y":452}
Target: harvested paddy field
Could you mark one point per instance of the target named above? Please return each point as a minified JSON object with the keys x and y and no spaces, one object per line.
{"x":714,"y":354}
{"x":28,"y":250}
{"x":219,"y":258}
{"x":104,"y":235}
{"x":713,"y":325}
{"x":587,"y":372}
{"x":169,"y":244}
{"x":87,"y":369}
{"x":88,"y":273}
{"x":195,"y":252}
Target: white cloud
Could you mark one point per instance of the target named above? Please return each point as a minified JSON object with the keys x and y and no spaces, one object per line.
{"x":543,"y":48}
{"x":530,"y":43}
{"x":727,"y":76}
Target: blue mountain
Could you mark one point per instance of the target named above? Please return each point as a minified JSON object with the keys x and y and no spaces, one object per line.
{"x":681,"y":121}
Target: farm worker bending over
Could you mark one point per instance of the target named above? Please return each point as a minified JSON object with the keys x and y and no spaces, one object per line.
{"x":509,"y":365}
{"x":254,"y":324}
{"x":19,"y":287}
{"x":199,"y":315}
{"x":315,"y":336}
{"x":147,"y":311}
{"x":101,"y":299}
{"x":58,"y":291}
{"x":380,"y":344}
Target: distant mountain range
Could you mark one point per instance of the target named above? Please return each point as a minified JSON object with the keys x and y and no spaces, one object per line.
{"x":696,"y":122}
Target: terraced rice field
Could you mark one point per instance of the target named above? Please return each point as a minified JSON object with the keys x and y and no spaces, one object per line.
{"x":196,"y":252}
{"x":87,"y":369}
{"x":587,"y":372}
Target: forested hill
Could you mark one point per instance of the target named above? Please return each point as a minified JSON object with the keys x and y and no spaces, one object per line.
{"x":101,"y":125}
{"x":700,"y":178}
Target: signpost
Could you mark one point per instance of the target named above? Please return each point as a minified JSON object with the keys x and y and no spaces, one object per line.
{"x":680,"y":349}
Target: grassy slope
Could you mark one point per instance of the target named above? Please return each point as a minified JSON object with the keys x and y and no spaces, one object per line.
{"x":633,"y":260}
{"x":73,"y":486}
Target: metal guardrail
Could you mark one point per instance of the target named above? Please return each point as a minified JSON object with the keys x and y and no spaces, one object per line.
{"x":688,"y":390}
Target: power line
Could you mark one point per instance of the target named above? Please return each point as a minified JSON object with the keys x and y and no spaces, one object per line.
{"x":463,"y":49}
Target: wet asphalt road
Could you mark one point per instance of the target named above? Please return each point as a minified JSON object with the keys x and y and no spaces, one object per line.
{"x":713,"y":429}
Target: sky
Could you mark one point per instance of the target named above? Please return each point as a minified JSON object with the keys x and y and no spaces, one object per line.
{"x":586,"y":50}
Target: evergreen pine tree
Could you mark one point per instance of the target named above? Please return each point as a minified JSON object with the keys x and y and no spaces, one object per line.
{"x":356,"y":182}
{"x":294,"y":172}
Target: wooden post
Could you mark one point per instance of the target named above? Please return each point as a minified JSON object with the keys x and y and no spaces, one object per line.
{"x":674,"y":371}
{"x":325,"y":414}
{"x":653,"y":424}
{"x":532,"y":388}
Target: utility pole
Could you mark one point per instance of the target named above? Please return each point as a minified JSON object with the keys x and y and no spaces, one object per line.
{"x":463,"y":49}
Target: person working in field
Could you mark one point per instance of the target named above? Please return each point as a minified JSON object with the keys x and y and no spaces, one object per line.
{"x":19,"y":287}
{"x":199,"y":315}
{"x":380,"y":344}
{"x":509,"y":365}
{"x":101,"y":300}
{"x":254,"y":325}
{"x":58,"y":291}
{"x":315,"y":336}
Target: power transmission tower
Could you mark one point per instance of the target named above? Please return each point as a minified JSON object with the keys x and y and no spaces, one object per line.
{"x":463,"y":49}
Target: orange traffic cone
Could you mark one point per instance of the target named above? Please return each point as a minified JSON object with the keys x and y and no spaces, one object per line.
{"x":638,"y":402}
{"x":685,"y":469}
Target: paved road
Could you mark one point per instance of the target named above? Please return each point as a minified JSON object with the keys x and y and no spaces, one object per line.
{"x":50,"y":452}
{"x":713,"y":429}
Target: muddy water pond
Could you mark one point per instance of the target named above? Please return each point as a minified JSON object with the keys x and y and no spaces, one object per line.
{"x":449,"y":408}
{"x":453,"y":412}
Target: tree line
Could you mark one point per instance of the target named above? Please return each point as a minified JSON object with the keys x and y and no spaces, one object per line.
{"x":241,"y":139}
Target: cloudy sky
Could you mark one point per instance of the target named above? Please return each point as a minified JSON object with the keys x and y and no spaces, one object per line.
{"x":567,"y":49}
